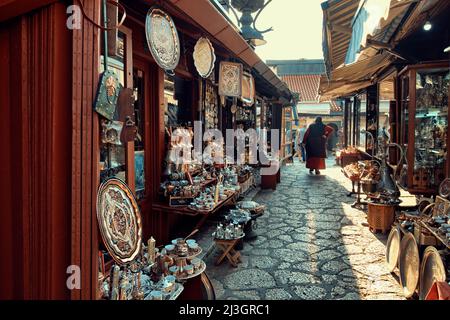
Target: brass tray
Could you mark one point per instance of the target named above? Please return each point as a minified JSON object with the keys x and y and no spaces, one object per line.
{"x":393,"y":249}
{"x":119,"y":220}
{"x":204,"y":57}
{"x":409,"y":264}
{"x":432,"y":269}
{"x":162,"y":39}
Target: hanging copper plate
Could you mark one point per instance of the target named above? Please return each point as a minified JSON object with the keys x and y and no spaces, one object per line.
{"x":204,"y":57}
{"x":393,"y":249}
{"x":119,"y":220}
{"x":162,"y":39}
{"x":432,"y":269}
{"x":409,"y":264}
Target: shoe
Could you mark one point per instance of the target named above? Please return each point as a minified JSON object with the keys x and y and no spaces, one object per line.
{"x":311,"y":171}
{"x":317,"y":172}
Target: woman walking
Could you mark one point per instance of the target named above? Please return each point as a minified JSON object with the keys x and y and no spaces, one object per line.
{"x":315,"y":141}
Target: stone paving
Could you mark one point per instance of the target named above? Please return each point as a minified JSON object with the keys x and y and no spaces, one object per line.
{"x":311,"y":245}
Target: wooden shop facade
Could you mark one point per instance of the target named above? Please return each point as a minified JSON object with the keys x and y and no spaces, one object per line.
{"x":53,"y":139}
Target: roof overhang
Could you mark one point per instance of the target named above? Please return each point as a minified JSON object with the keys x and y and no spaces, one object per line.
{"x":208,"y":17}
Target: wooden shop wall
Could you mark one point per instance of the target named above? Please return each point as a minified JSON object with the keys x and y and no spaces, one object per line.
{"x":35,"y":134}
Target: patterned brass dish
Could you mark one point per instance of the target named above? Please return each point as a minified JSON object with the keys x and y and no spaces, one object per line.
{"x":119,"y":220}
{"x":162,"y":39}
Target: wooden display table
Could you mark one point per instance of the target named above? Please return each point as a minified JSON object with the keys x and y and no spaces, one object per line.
{"x":228,"y":251}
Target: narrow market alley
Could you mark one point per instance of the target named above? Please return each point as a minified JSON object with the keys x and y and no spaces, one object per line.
{"x":311,"y":245}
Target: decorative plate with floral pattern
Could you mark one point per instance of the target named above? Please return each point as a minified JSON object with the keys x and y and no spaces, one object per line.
{"x":119,"y":220}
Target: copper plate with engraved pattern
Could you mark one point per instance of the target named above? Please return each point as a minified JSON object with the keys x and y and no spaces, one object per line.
{"x":432,"y":269}
{"x":162,"y":39}
{"x":393,"y":249}
{"x":119,"y":220}
{"x":409,"y":264}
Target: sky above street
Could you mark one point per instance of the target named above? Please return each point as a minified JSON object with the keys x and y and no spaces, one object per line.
{"x":297,"y":31}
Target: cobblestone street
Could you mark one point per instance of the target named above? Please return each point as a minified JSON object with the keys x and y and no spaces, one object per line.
{"x":310,"y":245}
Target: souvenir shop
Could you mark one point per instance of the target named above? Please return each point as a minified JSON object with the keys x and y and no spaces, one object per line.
{"x":99,"y":97}
{"x":399,"y":151}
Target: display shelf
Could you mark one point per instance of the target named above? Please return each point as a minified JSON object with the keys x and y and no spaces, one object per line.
{"x":424,"y":125}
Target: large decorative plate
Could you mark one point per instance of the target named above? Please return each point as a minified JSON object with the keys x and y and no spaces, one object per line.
{"x":162,"y":39}
{"x":393,"y":249}
{"x":119,"y":220}
{"x":230,"y":79}
{"x":431,"y":270}
{"x":409,"y":264}
{"x":204,"y":57}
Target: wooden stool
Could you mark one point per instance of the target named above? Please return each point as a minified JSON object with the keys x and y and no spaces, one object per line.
{"x":228,"y":251}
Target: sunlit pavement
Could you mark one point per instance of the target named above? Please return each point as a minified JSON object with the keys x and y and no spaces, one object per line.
{"x":311,"y":245}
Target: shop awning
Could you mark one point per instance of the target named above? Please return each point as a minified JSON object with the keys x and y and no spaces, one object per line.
{"x":337,"y":30}
{"x":351,"y":78}
{"x":373,"y":26}
{"x":365,"y":22}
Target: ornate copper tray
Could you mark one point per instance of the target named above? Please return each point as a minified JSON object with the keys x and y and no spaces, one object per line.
{"x":432,"y":269}
{"x":204,"y":57}
{"x":393,"y":249}
{"x":119,"y":220}
{"x":409,"y":264}
{"x":162,"y":39}
{"x":230,"y":79}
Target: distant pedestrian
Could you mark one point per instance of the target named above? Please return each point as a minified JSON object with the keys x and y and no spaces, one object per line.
{"x":298,"y":144}
{"x":315,"y":141}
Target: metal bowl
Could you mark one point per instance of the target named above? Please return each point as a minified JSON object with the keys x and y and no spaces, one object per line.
{"x":369,"y":186}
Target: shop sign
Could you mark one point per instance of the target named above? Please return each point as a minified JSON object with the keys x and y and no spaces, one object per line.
{"x":119,"y":220}
{"x":204,"y":57}
{"x":230,"y":79}
{"x":162,"y":39}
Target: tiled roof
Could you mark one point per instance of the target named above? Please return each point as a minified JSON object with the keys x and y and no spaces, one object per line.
{"x":307,"y":85}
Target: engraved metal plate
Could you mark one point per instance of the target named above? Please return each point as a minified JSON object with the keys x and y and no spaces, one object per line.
{"x":393,"y":249}
{"x":431,"y":270}
{"x":204,"y":57}
{"x":409,"y":264}
{"x":119,"y":220}
{"x":162,"y":39}
{"x":230,"y":79}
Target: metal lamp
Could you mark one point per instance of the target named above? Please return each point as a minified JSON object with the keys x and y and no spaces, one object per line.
{"x":247,"y":23}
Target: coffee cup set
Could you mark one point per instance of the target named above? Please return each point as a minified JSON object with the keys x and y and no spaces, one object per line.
{"x":204,"y":201}
{"x":184,"y":250}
